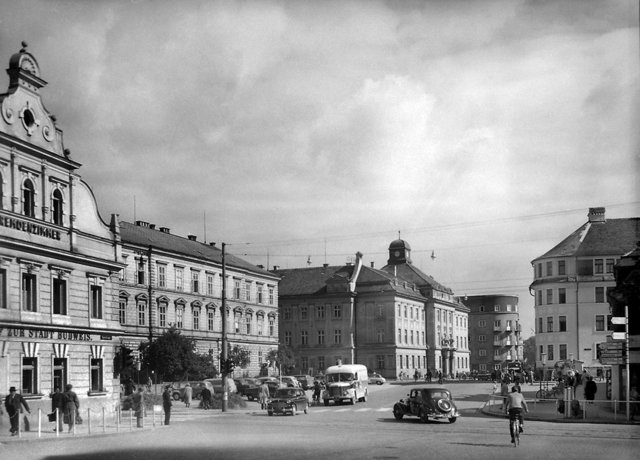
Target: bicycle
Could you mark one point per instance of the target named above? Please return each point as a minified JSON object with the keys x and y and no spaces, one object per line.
{"x":514,"y":429}
{"x":548,"y":393}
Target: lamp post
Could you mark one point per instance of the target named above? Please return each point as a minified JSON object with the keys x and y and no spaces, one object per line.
{"x":543,"y":360}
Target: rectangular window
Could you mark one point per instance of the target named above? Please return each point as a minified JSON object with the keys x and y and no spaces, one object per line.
{"x":496,"y":308}
{"x":380,"y":335}
{"x":260,"y":324}
{"x":247,"y":290}
{"x":599,"y":296}
{"x":562,"y":351}
{"x":320,"y":337}
{"x":337,"y":311}
{"x":482,"y":338}
{"x":29,"y":376}
{"x":549,"y":323}
{"x":196,"y":319}
{"x":562,"y":295}
{"x":549,"y":296}
{"x":29,"y":292}
{"x":59,"y":296}
{"x":96,"y":301}
{"x":337,"y":336}
{"x":304,"y":362}
{"x":162,"y":315}
{"x":561,"y":268}
{"x":303,"y":312}
{"x":482,"y":352}
{"x":122,"y":310}
{"x":321,"y":362}
{"x":550,"y":357}
{"x":271,"y":327}
{"x":539,"y":297}
{"x":549,"y":268}
{"x":399,"y":335}
{"x":210,"y":319}
{"x":598,"y":266}
{"x":162,"y":275}
{"x":320,"y":312}
{"x":179,"y":279}
{"x":179,"y":317}
{"x":96,"y":375}
{"x":286,"y":314}
{"x":195,"y":281}
{"x":59,"y":373}
{"x":3,"y":288}
{"x":304,"y":338}
{"x":497,"y":324}
{"x":599,"y":322}
{"x":540,"y":325}
{"x":287,"y":338}
{"x":380,"y":361}
{"x":609,"y":265}
{"x":140,"y":271}
{"x":259,"y":293}
{"x":237,"y":289}
{"x":539,"y":270}
{"x":406,"y":337}
{"x":247,"y":324}
{"x":271,"y":295}
{"x":482,"y":323}
{"x":142,"y":313}
{"x":562,"y":323}
{"x":210,"y":281}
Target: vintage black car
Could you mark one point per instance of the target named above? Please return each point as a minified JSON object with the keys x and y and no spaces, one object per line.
{"x":427,"y":403}
{"x":288,"y":400}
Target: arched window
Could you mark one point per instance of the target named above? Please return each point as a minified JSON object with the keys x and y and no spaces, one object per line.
{"x":28,"y":199}
{"x":56,"y":207}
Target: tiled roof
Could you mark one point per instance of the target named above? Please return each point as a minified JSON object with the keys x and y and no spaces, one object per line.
{"x":306,"y":281}
{"x":415,"y":275}
{"x":145,"y":236}
{"x":314,"y":280}
{"x":612,"y":237}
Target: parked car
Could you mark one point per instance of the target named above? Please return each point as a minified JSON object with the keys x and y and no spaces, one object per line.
{"x":288,"y":400}
{"x":244,"y":383}
{"x":217,"y":385}
{"x":377,"y":379}
{"x":290,"y":381}
{"x":305,"y":380}
{"x":484,"y":376}
{"x":178,"y":389}
{"x":427,"y":403}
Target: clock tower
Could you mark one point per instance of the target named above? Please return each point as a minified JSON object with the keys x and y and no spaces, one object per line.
{"x":399,"y":252}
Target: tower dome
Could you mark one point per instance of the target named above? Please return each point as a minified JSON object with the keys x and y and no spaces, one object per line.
{"x":399,"y":252}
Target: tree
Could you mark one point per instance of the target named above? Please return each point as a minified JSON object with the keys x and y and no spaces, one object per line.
{"x":283,"y":358}
{"x":239,"y":356}
{"x":172,"y":356}
{"x":529,"y":352}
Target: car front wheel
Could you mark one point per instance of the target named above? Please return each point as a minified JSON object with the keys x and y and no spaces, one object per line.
{"x":398,"y":413}
{"x":294,"y":409}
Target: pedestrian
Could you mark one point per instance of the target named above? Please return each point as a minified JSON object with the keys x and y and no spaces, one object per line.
{"x":129,"y":387}
{"x":504,"y":391}
{"x":14,"y":403}
{"x":429,"y":375}
{"x":188,"y":394}
{"x":205,"y":398}
{"x":415,"y":375}
{"x":138,"y":406}
{"x":166,"y":403}
{"x":439,"y":376}
{"x":71,"y":406}
{"x":264,"y":395}
{"x":590,"y":390}
{"x":149,"y":384}
{"x":57,"y":407}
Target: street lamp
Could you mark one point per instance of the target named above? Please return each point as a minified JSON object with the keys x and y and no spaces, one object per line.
{"x":543,"y":360}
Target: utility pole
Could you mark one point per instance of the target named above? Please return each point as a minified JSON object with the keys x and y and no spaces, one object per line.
{"x":223,"y":358}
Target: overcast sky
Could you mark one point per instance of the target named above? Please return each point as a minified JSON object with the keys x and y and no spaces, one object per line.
{"x":481,"y":130}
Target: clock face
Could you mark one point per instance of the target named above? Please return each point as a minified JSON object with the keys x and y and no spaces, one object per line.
{"x":397,"y":253}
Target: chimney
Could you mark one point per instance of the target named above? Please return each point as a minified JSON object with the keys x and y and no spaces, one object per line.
{"x":142,"y":223}
{"x":325,"y":265}
{"x":275,"y":267}
{"x":373,"y":264}
{"x":596,"y":215}
{"x":192,"y":237}
{"x":212,"y":243}
{"x":164,"y":229}
{"x":152,"y":226}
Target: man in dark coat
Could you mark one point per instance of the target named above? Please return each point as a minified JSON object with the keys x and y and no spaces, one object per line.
{"x":58,"y":401}
{"x":590,"y":389}
{"x":13,"y":404}
{"x":138,"y":406}
{"x":166,"y":403}
{"x":71,"y":406}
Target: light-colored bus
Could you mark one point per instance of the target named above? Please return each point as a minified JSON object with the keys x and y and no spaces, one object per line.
{"x":346,"y":382}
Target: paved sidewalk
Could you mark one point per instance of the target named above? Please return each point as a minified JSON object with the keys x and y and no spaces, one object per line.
{"x":598,"y":411}
{"x":107,"y":425}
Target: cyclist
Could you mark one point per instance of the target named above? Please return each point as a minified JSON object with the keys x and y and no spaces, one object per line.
{"x":514,"y":407}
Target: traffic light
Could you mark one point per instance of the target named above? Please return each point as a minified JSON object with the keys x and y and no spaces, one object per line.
{"x":127,"y":357}
{"x":227,"y":366}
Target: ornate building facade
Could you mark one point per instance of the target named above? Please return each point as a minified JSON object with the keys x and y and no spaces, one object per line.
{"x":58,"y":259}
